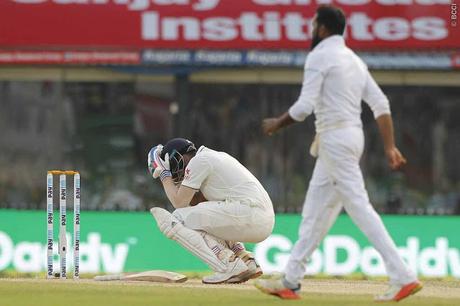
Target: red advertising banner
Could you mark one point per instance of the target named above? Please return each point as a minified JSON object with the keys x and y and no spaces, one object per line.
{"x":221,"y":24}
{"x":70,"y":57}
{"x":456,"y":60}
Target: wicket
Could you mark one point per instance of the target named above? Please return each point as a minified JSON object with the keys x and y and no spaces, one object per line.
{"x":63,"y":222}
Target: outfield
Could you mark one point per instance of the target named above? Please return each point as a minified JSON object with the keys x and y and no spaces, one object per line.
{"x":41,"y":292}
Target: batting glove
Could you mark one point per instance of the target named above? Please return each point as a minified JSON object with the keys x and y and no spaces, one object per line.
{"x":162,"y":170}
{"x":158,"y":167}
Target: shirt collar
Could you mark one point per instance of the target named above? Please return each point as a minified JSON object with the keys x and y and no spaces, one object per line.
{"x":201,"y":148}
{"x":333,"y":40}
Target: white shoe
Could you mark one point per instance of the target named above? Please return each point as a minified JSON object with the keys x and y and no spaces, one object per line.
{"x":254,"y":271}
{"x":254,"y":268}
{"x":235,"y":268}
{"x":399,"y":292}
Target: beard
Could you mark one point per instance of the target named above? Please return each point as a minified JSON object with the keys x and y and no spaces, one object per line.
{"x":315,"y":40}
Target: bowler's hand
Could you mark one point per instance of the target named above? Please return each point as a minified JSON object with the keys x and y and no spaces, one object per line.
{"x":395,"y":159}
{"x":270,"y":126}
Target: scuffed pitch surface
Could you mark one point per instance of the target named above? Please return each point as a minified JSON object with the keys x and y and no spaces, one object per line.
{"x":40,"y":292}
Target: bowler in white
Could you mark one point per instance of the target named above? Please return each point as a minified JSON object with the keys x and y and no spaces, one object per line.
{"x":335,"y":82}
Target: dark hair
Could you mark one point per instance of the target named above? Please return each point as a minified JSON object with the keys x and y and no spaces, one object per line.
{"x":332,"y":18}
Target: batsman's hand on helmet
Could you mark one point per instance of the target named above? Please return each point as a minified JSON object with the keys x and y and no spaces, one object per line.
{"x":151,"y":164}
{"x":157,"y":166}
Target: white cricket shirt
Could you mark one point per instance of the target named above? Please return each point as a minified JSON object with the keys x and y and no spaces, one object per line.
{"x":335,"y":82}
{"x":221,"y":177}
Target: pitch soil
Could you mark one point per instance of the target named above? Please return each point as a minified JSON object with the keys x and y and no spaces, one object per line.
{"x":432,"y":288}
{"x":333,"y":292}
{"x":442,"y":289}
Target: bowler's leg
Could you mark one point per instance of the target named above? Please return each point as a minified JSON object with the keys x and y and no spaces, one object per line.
{"x":320,"y":211}
{"x":342,"y":161}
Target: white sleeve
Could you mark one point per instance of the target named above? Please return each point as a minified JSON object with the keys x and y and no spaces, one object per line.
{"x":375,"y":98}
{"x":196,"y":172}
{"x":313,"y":77}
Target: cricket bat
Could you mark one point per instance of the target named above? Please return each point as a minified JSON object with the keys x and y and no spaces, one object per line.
{"x":158,"y":276}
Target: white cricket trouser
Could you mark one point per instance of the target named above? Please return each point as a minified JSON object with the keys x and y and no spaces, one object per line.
{"x":229,"y":220}
{"x":337,"y":180}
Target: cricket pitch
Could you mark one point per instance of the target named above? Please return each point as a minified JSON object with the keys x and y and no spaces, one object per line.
{"x":333,"y":292}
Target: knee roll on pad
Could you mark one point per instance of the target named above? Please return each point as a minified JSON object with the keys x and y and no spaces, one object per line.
{"x":188,"y":238}
{"x":168,"y":228}
{"x":178,"y":216}
{"x":165,"y":221}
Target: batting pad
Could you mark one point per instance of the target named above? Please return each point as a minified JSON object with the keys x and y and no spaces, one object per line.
{"x":189,"y":239}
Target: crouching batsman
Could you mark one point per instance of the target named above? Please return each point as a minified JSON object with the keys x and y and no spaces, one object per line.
{"x":219,"y":204}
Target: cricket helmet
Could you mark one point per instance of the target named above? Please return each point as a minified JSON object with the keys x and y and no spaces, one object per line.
{"x":176,"y":148}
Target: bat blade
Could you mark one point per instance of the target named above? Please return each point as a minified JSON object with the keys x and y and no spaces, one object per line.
{"x":158,"y":276}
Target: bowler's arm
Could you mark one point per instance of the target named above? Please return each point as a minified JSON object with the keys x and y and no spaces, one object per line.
{"x":395,"y":159}
{"x":303,"y":107}
{"x":380,"y":106}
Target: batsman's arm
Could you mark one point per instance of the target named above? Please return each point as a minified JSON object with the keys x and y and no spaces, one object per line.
{"x":198,"y":198}
{"x":179,"y":196}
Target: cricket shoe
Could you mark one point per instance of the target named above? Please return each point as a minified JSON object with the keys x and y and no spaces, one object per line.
{"x":277,"y":288}
{"x":254,"y":271}
{"x":396,"y":293}
{"x":235,"y":268}
{"x":253,"y":266}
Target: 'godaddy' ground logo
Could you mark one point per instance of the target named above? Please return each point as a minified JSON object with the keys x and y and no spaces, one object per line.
{"x":95,"y":255}
{"x":341,"y":255}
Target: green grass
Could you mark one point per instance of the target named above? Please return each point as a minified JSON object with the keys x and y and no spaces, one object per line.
{"x":21,"y":292}
{"x":198,"y":275}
